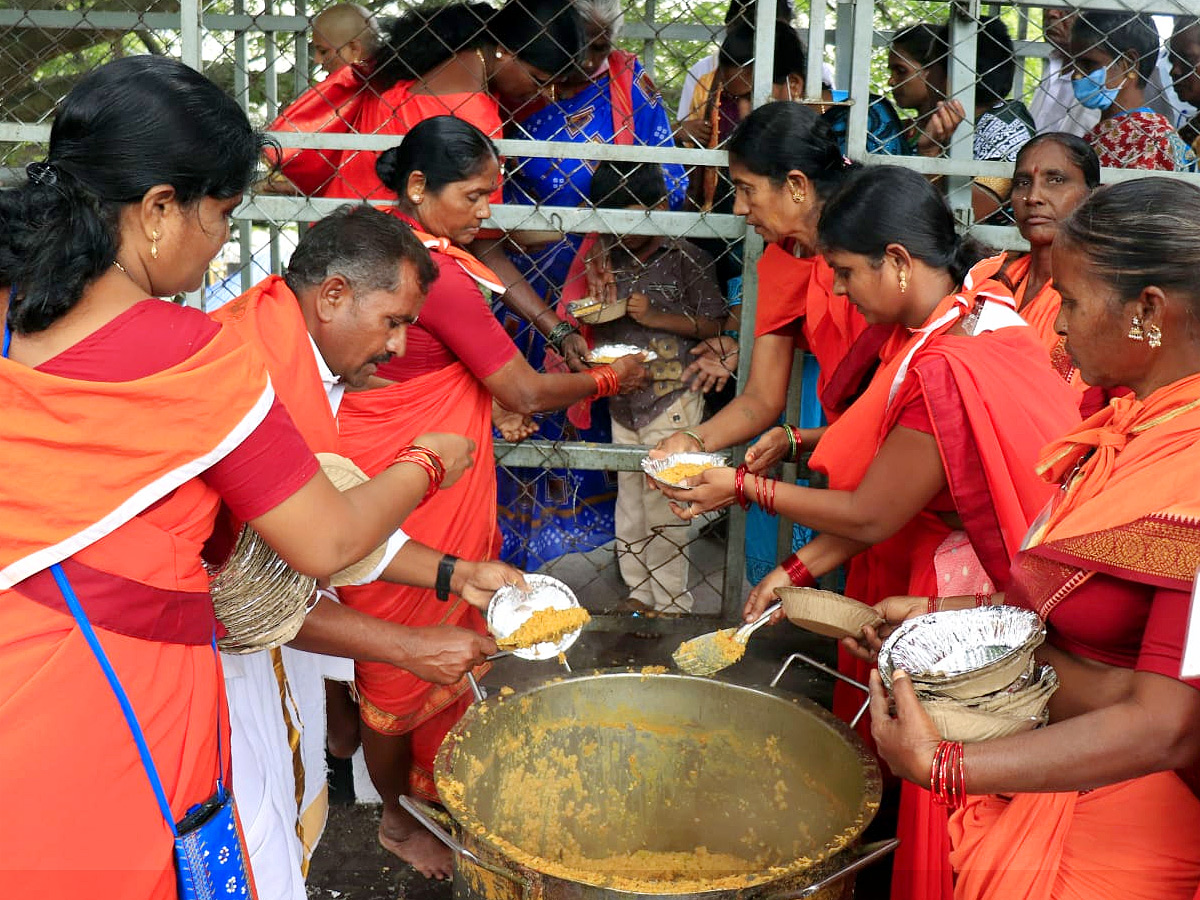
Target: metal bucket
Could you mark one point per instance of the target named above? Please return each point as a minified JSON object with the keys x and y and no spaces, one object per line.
{"x":633,"y":784}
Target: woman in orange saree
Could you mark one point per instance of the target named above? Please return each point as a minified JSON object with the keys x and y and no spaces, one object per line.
{"x":458,"y":358}
{"x":128,"y":421}
{"x":931,"y":469}
{"x":785,"y":165}
{"x":1099,"y":804}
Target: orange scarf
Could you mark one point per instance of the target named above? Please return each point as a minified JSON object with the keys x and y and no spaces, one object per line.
{"x":1129,"y":506}
{"x":81,"y":479}
{"x":268,"y":318}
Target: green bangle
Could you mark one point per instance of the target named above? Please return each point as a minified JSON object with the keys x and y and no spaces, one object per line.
{"x":695,"y":437}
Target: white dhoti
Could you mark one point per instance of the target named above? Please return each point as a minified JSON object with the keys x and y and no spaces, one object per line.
{"x":279,"y":774}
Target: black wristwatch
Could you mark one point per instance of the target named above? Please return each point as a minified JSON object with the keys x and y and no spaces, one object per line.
{"x":444,"y":572}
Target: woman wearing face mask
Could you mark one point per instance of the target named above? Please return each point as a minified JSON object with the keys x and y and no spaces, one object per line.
{"x":457,"y":359}
{"x":940,"y":447}
{"x":1114,"y":54}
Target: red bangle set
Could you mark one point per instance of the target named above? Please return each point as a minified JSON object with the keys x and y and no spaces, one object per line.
{"x":739,"y":487}
{"x":427,"y":460}
{"x":947,"y":775}
{"x":607,"y":383}
{"x":764,"y":493}
{"x":983,"y":599}
{"x":797,"y":572}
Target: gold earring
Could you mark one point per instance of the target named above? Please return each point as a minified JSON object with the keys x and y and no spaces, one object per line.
{"x":798,"y":195}
{"x":154,"y":244}
{"x":1136,"y":333}
{"x":903,"y":281}
{"x":1153,"y":337}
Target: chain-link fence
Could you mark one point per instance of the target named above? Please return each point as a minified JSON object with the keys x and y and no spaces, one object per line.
{"x":613,"y":182}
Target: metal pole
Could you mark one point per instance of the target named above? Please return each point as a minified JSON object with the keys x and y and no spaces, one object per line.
{"x":964,"y":28}
{"x":860,"y":79}
{"x":816,"y":49}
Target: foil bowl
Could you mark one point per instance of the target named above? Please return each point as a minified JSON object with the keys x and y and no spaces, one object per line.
{"x":596,"y":312}
{"x":996,"y":715}
{"x":510,"y":607}
{"x":607,"y":353}
{"x":656,"y":467}
{"x":965,"y":653}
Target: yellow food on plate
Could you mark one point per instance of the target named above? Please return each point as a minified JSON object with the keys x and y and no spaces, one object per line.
{"x":676,"y":473}
{"x":544,"y":626}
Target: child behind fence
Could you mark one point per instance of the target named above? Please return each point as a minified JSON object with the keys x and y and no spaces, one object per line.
{"x":674,"y":302}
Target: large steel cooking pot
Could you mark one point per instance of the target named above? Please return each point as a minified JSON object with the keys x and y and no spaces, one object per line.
{"x":631,"y":783}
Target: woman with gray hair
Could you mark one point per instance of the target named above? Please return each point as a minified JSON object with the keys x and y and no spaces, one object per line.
{"x":608,"y":98}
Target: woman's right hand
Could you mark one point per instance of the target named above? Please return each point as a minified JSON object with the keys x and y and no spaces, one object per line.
{"x":893,"y":611}
{"x":457,"y":452}
{"x":934,"y":137}
{"x":679,"y":442}
{"x":631,"y":372}
{"x":694,"y":132}
{"x":763,"y":595}
{"x":767,"y":450}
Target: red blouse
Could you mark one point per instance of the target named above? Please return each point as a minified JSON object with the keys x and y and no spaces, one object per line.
{"x":455,"y":325}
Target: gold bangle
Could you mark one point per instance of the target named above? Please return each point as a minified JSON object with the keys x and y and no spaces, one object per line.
{"x":695,"y":437}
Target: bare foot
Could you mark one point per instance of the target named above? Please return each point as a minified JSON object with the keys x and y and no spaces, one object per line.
{"x":416,"y":846}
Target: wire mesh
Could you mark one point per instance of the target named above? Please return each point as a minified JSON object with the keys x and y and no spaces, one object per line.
{"x":335,"y":93}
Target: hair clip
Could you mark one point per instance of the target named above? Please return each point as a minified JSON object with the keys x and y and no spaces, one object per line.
{"x":44,"y":173}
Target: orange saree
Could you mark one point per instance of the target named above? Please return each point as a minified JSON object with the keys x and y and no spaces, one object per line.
{"x":1129,"y":508}
{"x":800,"y":289}
{"x":976,"y":390}
{"x":108,"y":489}
{"x":461,"y":520}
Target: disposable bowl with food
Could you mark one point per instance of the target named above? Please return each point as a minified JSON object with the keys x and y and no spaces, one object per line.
{"x":963,"y":653}
{"x":510,"y":607}
{"x":656,"y":468}
{"x":608,"y":353}
{"x":596,"y":312}
{"x":826,"y":613}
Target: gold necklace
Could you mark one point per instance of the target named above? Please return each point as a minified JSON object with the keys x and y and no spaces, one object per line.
{"x":121,"y":267}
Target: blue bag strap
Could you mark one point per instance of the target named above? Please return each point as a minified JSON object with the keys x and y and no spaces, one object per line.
{"x":89,"y":635}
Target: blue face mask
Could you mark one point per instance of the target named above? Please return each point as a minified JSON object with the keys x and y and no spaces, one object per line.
{"x":1090,"y":90}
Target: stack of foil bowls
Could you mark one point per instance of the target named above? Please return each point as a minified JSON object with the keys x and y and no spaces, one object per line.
{"x":974,"y":670}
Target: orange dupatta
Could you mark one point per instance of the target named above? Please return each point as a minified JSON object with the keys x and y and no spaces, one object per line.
{"x":94,"y":456}
{"x":268,"y":317}
{"x":977,"y":398}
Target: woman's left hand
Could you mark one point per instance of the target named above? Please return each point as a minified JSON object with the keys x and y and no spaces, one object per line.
{"x":711,"y":489}
{"x":575,"y":351}
{"x":907,"y":740}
